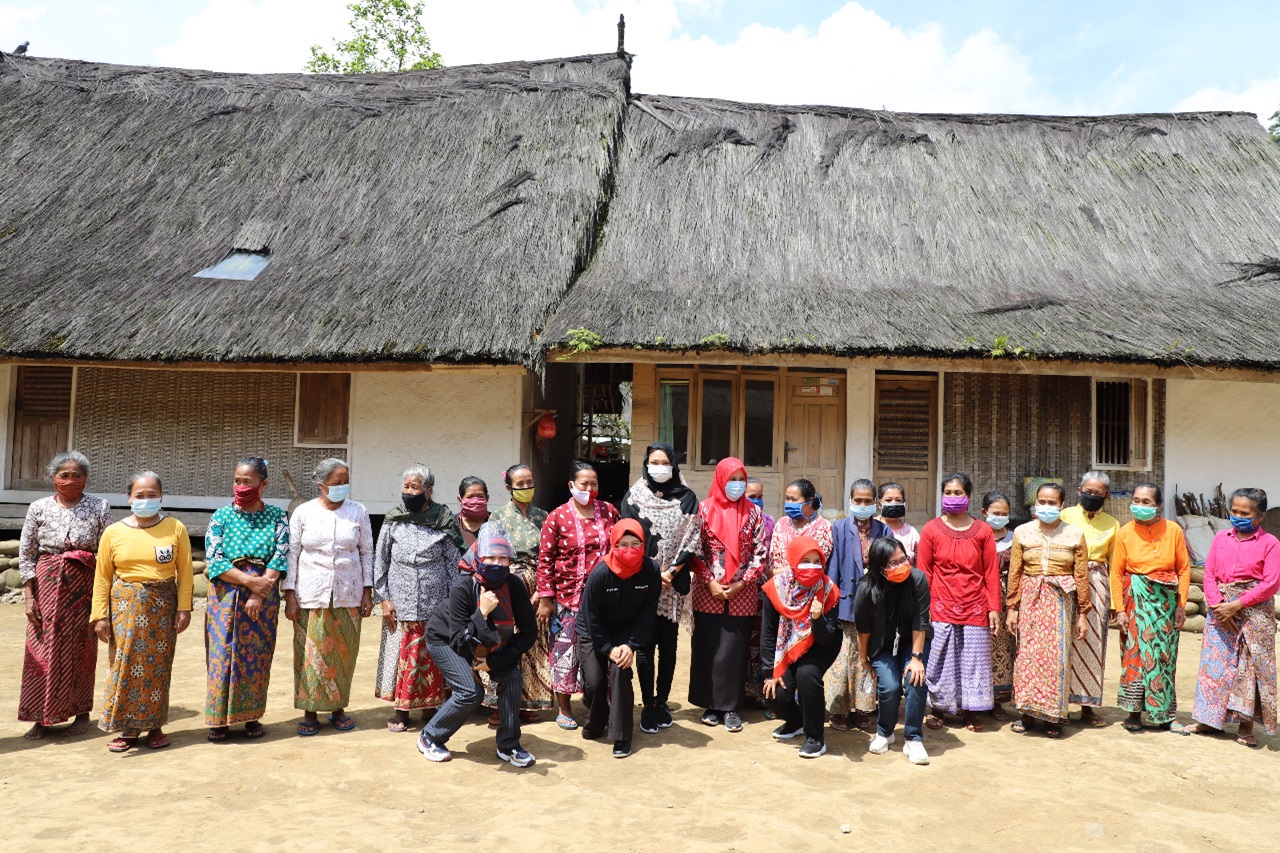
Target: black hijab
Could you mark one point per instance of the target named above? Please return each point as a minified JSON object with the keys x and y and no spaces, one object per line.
{"x":674,"y":489}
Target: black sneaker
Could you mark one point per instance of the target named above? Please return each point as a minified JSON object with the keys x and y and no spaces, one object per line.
{"x":649,"y":720}
{"x":621,"y":748}
{"x":812,"y":748}
{"x":663,"y":714}
{"x":711,"y":718}
{"x":787,"y":732}
{"x":732,"y":722}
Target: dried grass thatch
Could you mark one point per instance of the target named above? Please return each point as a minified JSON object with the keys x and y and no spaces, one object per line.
{"x":852,"y":231}
{"x":417,"y":216}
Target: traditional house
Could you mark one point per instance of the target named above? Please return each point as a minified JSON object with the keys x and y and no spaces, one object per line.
{"x":411,"y":267}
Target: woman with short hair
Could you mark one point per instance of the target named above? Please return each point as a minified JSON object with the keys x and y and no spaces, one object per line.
{"x":247,"y":550}
{"x":1004,"y":646}
{"x":141,"y":603}
{"x":56,"y":558}
{"x":328,"y":589}
{"x":893,"y":512}
{"x":415,"y":562}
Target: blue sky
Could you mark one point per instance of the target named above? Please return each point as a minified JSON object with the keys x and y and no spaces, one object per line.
{"x":981,"y":55}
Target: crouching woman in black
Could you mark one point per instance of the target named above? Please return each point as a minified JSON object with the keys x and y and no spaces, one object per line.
{"x":487,"y":623}
{"x":800,"y":639}
{"x":615,"y":622}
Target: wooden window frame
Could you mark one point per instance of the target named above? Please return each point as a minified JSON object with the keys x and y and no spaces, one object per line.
{"x":297,"y":411}
{"x":1148,"y":428}
{"x":739,"y":376}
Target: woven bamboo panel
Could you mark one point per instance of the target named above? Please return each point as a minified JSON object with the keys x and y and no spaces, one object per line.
{"x":1002,"y":428}
{"x":189,"y":427}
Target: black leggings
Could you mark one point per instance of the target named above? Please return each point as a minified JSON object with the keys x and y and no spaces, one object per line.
{"x":800,"y":697}
{"x":662,"y":649}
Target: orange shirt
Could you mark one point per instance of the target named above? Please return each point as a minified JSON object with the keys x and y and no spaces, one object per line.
{"x":1142,"y":549}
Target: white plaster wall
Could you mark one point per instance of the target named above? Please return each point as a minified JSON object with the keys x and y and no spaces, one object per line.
{"x":1222,"y":432}
{"x":860,"y":400}
{"x":457,"y":422}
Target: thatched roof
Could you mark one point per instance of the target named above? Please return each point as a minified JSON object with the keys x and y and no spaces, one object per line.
{"x":858,"y":232}
{"x":425,"y":215}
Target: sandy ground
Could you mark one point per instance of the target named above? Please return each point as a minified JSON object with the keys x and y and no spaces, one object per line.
{"x":688,"y":788}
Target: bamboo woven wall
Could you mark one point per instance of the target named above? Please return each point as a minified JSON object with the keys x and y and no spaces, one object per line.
{"x":1002,"y":428}
{"x":190,"y":427}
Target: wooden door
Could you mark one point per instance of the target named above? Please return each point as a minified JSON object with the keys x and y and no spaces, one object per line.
{"x":41,"y":423}
{"x":815,"y":435}
{"x":906,"y":441}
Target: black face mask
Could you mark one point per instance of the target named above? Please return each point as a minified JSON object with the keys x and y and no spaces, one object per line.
{"x":414,"y":503}
{"x":1091,"y":503}
{"x":893,"y":510}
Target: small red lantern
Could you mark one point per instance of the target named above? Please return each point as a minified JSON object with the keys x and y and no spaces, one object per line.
{"x":547,"y":426}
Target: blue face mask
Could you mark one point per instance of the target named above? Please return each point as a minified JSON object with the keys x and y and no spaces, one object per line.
{"x":735,"y":489}
{"x":1047,"y":514}
{"x":999,"y":522}
{"x":338,"y":494}
{"x":145,"y":507}
{"x":862,"y":512}
{"x":1243,"y":526}
{"x":492,"y":574}
{"x":793,"y":509}
{"x":758,"y":502}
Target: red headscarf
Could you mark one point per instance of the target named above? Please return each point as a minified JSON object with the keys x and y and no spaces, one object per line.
{"x":622,"y":528}
{"x":726,"y":518}
{"x":792,"y":601}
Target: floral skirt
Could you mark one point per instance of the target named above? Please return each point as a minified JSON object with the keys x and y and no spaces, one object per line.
{"x":1042,"y":670}
{"x":566,"y":669}
{"x":325,"y":644}
{"x":141,"y":650}
{"x":60,"y":657}
{"x":239,"y":651}
{"x":1149,"y":649}
{"x":1237,"y":678}
{"x":407,"y":676}
{"x":849,"y":688}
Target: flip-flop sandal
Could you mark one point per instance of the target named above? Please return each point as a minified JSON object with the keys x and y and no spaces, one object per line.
{"x":122,"y":744}
{"x":157,"y":743}
{"x":1134,"y":727}
{"x":217,"y":734}
{"x":999,"y":714}
{"x":1247,"y":740}
{"x":306,"y":729}
{"x":975,"y":727}
{"x":839,"y":724}
{"x":1018,"y":727}
{"x":1053,"y":732}
{"x":1093,"y":720}
{"x":343,"y":723}
{"x":566,"y":722}
{"x":396,"y":726}
{"x":530,"y":717}
{"x":934,"y":722}
{"x":254,"y":730}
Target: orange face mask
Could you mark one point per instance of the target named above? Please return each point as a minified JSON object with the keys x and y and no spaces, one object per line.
{"x":898,"y":572}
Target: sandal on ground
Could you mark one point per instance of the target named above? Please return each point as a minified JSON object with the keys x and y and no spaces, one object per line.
{"x":306,"y":729}
{"x":397,"y":726}
{"x":495,"y":720}
{"x":1131,"y":726}
{"x":1018,"y":727}
{"x":1053,"y":731}
{"x":217,"y":734}
{"x":934,"y":722}
{"x":530,"y":716}
{"x":861,"y":720}
{"x":254,"y":730}
{"x":1193,"y":729}
{"x":1247,"y":740}
{"x":566,"y":722}
{"x":343,"y":723}
{"x":999,"y":714}
{"x":1093,"y":720}
{"x":121,"y":744}
{"x":974,"y":724}
{"x":839,"y":723}
{"x":154,"y":742}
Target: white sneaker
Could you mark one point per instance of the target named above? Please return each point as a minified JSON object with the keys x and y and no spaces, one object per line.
{"x":914,"y":751}
{"x":880,"y":744}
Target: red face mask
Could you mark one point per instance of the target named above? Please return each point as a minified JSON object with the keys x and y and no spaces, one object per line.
{"x":474,"y":508}
{"x":70,"y":490}
{"x":809,"y":575}
{"x":247,"y":496}
{"x":626,"y":561}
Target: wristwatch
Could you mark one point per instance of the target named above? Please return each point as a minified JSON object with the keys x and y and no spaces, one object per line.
{"x":918,"y":656}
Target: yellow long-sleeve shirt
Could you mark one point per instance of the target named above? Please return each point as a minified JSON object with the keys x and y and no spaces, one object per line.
{"x":158,"y":553}
{"x":1145,"y":548}
{"x":1099,"y":532}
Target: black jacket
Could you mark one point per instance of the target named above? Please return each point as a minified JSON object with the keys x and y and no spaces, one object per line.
{"x":460,"y":625}
{"x":903,"y":608}
{"x":615,"y":612}
{"x":826,"y":630}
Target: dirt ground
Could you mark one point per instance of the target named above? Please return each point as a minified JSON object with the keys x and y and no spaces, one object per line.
{"x":688,"y":788}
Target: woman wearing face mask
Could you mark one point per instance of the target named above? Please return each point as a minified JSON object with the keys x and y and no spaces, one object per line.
{"x":1004,"y":646}
{"x":1237,"y":680}
{"x":523,"y":523}
{"x":1150,"y":577}
{"x":1048,"y":595}
{"x":486,"y":625}
{"x":850,"y":688}
{"x":893,"y":512}
{"x":799,"y":642}
{"x":247,"y":548}
{"x":667,"y":510}
{"x":958,"y":556}
{"x":574,"y":538}
{"x":473,"y":502}
{"x":414,"y":564}
{"x":725,"y":595}
{"x":327,"y":590}
{"x":1089,"y":657}
{"x":619,"y":604}
{"x":894,"y":629}
{"x":755,"y":494}
{"x":56,"y":560}
{"x":141,"y":602}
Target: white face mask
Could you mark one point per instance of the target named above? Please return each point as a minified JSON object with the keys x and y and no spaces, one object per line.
{"x":582,"y":496}
{"x":660,"y":473}
{"x":809,"y":566}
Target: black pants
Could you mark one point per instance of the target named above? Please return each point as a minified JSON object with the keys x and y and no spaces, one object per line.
{"x":662,"y":651}
{"x":466,"y":696}
{"x":800,"y":697}
{"x":607,"y":690}
{"x":718,"y":660}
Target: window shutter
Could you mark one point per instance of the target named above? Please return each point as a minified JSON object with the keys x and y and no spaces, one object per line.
{"x":324,"y":403}
{"x":904,"y":424}
{"x":1139,"y":396}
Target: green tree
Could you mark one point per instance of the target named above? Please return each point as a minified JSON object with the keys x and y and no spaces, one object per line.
{"x":1274,"y":127}
{"x":386,"y":35}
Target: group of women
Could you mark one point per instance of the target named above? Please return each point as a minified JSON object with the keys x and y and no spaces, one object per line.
{"x":517,"y":610}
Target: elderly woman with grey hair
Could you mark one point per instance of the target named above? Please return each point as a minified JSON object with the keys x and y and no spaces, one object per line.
{"x":327,"y":589}
{"x":56,"y":559}
{"x":414,"y":564}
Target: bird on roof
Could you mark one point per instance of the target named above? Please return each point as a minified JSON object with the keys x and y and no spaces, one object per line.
{"x":21,"y":49}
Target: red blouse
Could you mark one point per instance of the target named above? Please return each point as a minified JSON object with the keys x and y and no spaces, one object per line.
{"x":570,"y":548}
{"x":963,"y":573}
{"x":711,"y":565}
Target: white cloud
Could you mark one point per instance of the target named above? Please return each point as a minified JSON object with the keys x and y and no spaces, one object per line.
{"x":854,"y":57}
{"x":11,"y":19}
{"x":1261,"y":97}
